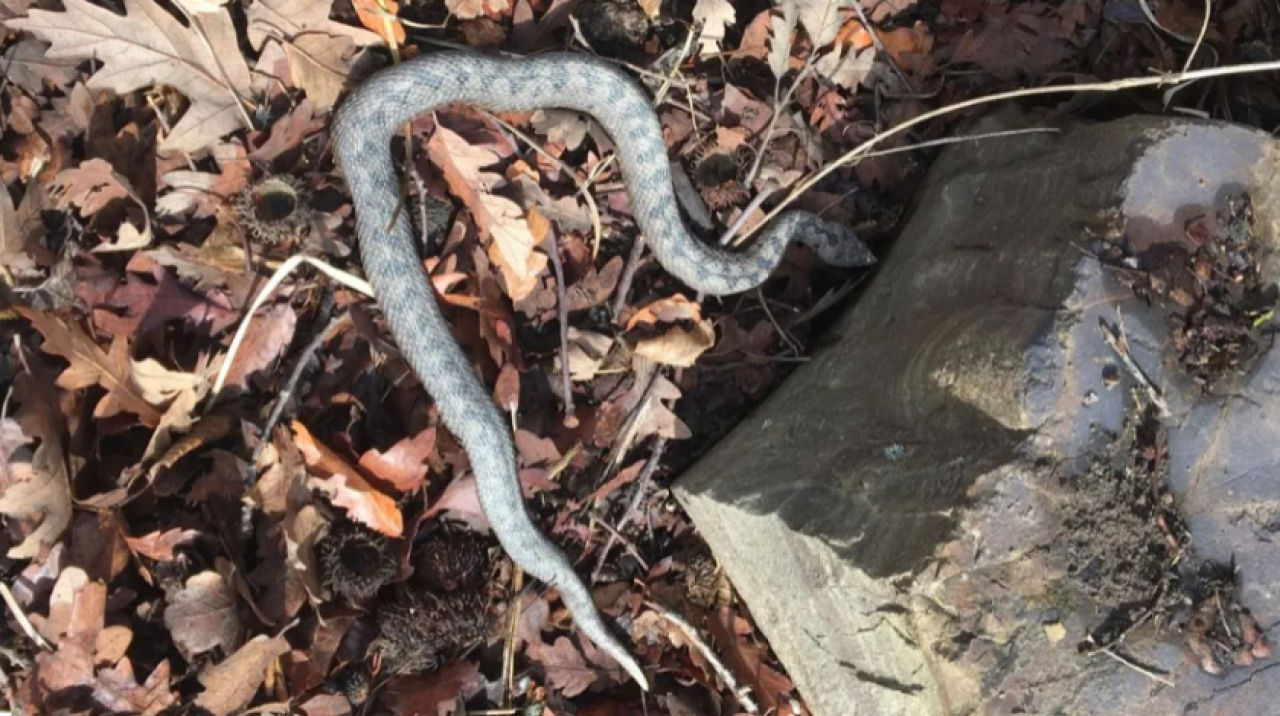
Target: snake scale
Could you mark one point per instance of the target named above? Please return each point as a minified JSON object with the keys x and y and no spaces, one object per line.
{"x":362,"y":134}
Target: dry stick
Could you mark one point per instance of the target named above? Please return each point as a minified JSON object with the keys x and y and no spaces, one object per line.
{"x":1204,"y":27}
{"x":859,"y":151}
{"x":21,"y":617}
{"x":642,"y":486}
{"x":743,"y":692}
{"x":287,"y":391}
{"x":1127,"y":661}
{"x":509,"y":650}
{"x":562,"y":313}
{"x":628,"y":275}
{"x":277,"y":278}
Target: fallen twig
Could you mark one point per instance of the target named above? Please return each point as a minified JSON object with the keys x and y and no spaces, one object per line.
{"x":743,"y":691}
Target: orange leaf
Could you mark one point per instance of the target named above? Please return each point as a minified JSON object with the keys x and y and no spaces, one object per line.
{"x":346,"y":488}
{"x":404,"y":465}
{"x":373,"y":14}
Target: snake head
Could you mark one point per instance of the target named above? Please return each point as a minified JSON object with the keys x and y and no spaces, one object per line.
{"x":837,"y":245}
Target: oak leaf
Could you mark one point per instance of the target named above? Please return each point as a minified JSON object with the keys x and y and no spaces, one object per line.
{"x":565,"y":667}
{"x":497,"y":217}
{"x":202,"y":615}
{"x":27,"y":63}
{"x":81,"y":608}
{"x":294,"y":18}
{"x":715,"y":16}
{"x":677,"y":346}
{"x":41,"y":486}
{"x":403,"y":466}
{"x":202,"y":193}
{"x":148,"y":46}
{"x":117,"y":689}
{"x":264,"y":343}
{"x":90,"y":365}
{"x":346,"y":487}
{"x":229,"y":686}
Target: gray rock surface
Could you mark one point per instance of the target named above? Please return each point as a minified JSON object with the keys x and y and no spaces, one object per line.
{"x":897,"y":515}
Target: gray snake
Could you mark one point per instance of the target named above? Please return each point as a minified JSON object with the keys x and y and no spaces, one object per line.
{"x":362,"y":133}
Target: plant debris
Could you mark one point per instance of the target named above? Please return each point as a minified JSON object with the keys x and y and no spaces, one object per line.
{"x":287,"y":524}
{"x":1212,"y":279}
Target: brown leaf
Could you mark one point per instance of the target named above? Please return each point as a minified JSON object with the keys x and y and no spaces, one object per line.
{"x":91,"y":186}
{"x":288,"y":132}
{"x":90,"y":366}
{"x":296,"y":18}
{"x":84,"y":604}
{"x":265,"y":342}
{"x":160,"y":545}
{"x":326,"y":705}
{"x":146,"y":46}
{"x":625,"y":476}
{"x":678,"y":347}
{"x":460,"y":499}
{"x":497,"y":217}
{"x":404,"y":465}
{"x":565,"y":667}
{"x":229,"y":686}
{"x":43,"y":489}
{"x":424,"y":695}
{"x":346,"y":488}
{"x":116,"y":689}
{"x":596,"y":287}
{"x":666,"y":310}
{"x":318,"y":64}
{"x":506,"y":391}
{"x":98,"y":546}
{"x":202,"y":615}
{"x":202,"y":193}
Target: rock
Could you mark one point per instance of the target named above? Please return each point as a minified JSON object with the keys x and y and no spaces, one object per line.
{"x":923,"y":519}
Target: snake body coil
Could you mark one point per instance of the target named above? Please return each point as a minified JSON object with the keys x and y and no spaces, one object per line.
{"x":363,"y":130}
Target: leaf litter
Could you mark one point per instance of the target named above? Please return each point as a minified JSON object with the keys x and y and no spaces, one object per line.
{"x":160,"y":160}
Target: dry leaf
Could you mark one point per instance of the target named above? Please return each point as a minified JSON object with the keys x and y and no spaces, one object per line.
{"x":202,"y":615}
{"x":289,"y":131}
{"x":561,"y":125}
{"x":160,"y":545}
{"x":678,"y":347}
{"x":265,"y":342}
{"x":296,"y":18}
{"x":147,"y":46}
{"x":91,"y":186}
{"x":587,"y":352}
{"x":497,"y":218}
{"x":469,"y":9}
{"x":318,"y":64}
{"x":82,"y":604}
{"x":380,"y":17}
{"x":28,"y":65}
{"x":666,"y":310}
{"x":782,"y":29}
{"x":346,"y":488}
{"x":90,"y":366}
{"x":565,"y":667}
{"x":715,"y":16}
{"x":116,"y":689}
{"x":44,"y":491}
{"x":424,"y":695}
{"x":404,"y":465}
{"x":229,"y":686}
{"x":202,"y":193}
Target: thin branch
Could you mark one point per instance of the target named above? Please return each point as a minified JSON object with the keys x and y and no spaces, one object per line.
{"x":859,"y":152}
{"x":743,"y":691}
{"x":642,"y":486}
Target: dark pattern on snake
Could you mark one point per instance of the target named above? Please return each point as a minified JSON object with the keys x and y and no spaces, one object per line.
{"x":363,"y":130}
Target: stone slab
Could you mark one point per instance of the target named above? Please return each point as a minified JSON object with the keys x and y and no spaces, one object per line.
{"x":893,"y":515}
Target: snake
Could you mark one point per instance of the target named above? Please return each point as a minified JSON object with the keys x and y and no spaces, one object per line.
{"x":362,"y":131}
